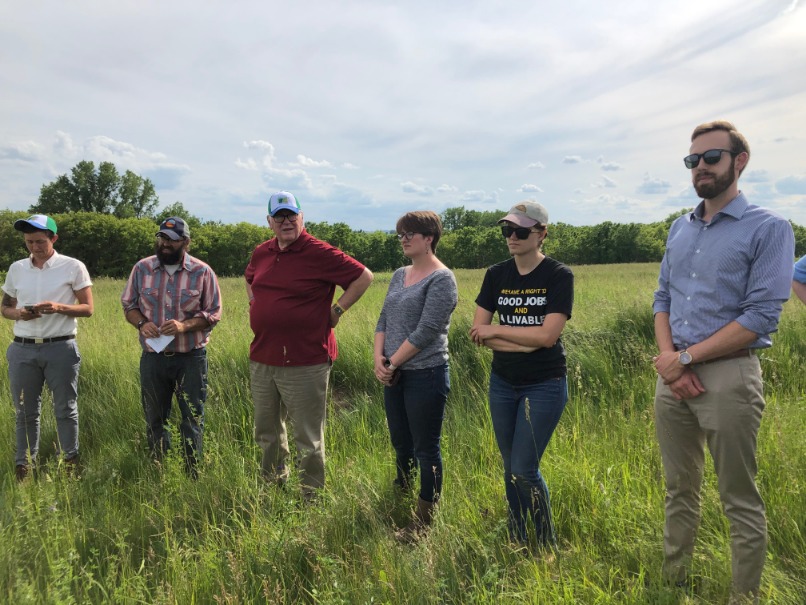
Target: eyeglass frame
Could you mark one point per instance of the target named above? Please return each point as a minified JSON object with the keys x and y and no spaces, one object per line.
{"x":689,"y":162}
{"x":409,"y":235}
{"x":282,"y":218}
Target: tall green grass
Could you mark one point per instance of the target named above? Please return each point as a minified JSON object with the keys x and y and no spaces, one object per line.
{"x":128,"y":532}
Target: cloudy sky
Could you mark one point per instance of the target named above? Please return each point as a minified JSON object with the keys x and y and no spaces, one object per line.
{"x":367,"y":109}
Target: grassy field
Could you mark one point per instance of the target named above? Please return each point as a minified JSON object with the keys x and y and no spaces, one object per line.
{"x":127,"y":532}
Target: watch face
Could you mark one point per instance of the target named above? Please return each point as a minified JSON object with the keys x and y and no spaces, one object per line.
{"x":685,"y":358}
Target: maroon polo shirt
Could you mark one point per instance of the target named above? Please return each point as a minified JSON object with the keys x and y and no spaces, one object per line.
{"x":293,"y":290}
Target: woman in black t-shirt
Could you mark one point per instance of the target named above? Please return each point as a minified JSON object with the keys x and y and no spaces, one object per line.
{"x":533,"y":296}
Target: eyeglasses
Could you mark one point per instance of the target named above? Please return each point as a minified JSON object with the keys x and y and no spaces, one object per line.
{"x":281,"y":218}
{"x":406,"y":236}
{"x":520,"y":232}
{"x":712,"y":156}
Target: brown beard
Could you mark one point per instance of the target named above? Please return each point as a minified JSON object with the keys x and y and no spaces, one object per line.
{"x":171,"y":257}
{"x":720,"y":184}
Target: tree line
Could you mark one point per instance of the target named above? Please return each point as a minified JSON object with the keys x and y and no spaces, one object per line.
{"x":108,"y":221}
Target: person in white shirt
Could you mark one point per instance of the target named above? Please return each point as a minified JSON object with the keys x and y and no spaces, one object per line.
{"x":43,"y":295}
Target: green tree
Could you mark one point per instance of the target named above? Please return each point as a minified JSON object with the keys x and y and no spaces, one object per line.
{"x":138,"y":198}
{"x":103,"y":190}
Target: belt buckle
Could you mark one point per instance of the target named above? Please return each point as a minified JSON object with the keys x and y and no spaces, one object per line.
{"x":168,"y":353}
{"x":39,"y":341}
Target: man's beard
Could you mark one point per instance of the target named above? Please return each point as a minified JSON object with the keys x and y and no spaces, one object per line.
{"x":718,"y":185}
{"x":169,"y":256}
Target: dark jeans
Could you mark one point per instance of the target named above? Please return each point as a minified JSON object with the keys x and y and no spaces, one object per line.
{"x":524,"y":418}
{"x":415,"y":407}
{"x":162,"y":377}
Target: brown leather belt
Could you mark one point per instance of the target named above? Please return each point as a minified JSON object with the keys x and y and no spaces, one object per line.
{"x":734,"y":355}
{"x":42,"y":341}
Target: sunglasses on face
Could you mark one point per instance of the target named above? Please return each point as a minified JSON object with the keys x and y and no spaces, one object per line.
{"x":520,"y":232}
{"x":712,"y":156}
{"x":281,"y":218}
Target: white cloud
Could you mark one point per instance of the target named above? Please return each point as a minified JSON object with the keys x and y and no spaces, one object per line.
{"x":26,"y":151}
{"x":791,"y":185}
{"x":653,"y":186}
{"x":411,"y":187}
{"x":605,"y":182}
{"x":529,"y":188}
{"x":447,"y":189}
{"x":404,"y":97}
{"x":310,"y":163}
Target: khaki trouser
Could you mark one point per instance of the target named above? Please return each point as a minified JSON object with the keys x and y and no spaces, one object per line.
{"x":300,"y":394}
{"x":726,"y":417}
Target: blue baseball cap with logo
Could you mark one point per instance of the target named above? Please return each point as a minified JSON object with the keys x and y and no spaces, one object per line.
{"x":282,"y":200}
{"x":175,"y":228}
{"x":39,"y":222}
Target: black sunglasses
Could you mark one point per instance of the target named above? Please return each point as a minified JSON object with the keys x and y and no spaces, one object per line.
{"x":520,"y":232}
{"x":712,"y":156}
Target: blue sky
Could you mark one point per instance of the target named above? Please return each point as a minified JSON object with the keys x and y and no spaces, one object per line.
{"x":368,"y":109}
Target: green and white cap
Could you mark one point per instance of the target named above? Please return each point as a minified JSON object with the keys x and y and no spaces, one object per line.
{"x":37,"y":221}
{"x":282,"y":200}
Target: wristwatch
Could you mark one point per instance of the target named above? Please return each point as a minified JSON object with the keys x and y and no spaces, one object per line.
{"x":141,"y":323}
{"x":338,"y":309}
{"x":685,"y":358}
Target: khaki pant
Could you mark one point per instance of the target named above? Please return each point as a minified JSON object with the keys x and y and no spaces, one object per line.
{"x":726,"y":417}
{"x":300,"y":394}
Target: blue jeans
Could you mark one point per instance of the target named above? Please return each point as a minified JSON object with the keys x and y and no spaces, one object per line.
{"x":163,"y":376}
{"x":415,"y":408}
{"x":524,"y":418}
{"x":30,"y":366}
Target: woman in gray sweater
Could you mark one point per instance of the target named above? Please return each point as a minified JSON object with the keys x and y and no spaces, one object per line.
{"x":411,"y":360}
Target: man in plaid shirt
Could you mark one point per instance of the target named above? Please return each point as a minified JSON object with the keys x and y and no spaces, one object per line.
{"x":173,"y":300}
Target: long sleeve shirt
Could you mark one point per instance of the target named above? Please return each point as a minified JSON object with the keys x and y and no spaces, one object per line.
{"x":737,"y":267}
{"x":192,"y":291}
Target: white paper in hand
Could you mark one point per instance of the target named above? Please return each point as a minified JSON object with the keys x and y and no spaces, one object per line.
{"x":159,"y":343}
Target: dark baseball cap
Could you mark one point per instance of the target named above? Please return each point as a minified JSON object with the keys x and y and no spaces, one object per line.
{"x":175,"y":228}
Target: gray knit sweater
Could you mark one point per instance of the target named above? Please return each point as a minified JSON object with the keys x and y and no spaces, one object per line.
{"x":420,"y":313}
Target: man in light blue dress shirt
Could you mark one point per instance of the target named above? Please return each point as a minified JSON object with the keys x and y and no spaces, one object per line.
{"x":724,"y":278}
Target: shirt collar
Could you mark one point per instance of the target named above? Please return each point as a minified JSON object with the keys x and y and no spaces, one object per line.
{"x":48,"y":263}
{"x":734,"y":208}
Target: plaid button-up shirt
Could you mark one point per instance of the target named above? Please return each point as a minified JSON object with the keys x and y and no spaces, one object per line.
{"x":192,"y":291}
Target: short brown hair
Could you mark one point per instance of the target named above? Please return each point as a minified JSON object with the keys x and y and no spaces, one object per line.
{"x":738,"y":144}
{"x":421,"y":221}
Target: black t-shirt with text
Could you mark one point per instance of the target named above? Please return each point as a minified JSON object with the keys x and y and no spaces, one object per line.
{"x":525,"y":300}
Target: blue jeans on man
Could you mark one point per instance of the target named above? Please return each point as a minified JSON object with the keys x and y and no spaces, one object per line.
{"x":161,"y":377}
{"x":524,"y":418}
{"x":415,"y":409}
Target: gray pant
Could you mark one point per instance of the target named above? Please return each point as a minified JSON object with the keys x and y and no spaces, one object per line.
{"x":30,"y":366}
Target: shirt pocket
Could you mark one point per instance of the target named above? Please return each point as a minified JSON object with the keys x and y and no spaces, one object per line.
{"x":190,"y":301}
{"x":149,"y":301}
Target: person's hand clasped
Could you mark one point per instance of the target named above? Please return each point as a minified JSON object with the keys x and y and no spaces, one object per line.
{"x":172,"y":327}
{"x":668,"y":366}
{"x":687,"y":386}
{"x":383,"y":373}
